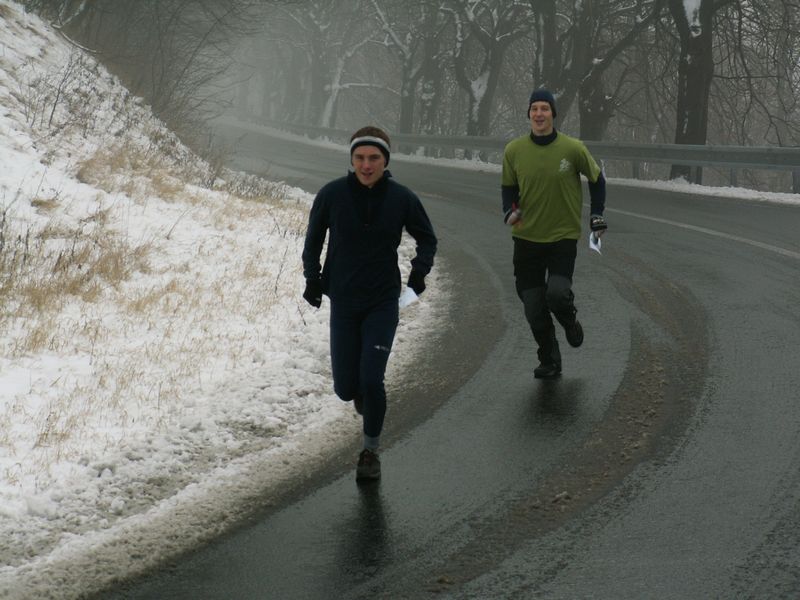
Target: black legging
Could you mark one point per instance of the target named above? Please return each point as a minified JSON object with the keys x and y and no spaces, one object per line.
{"x":361,"y":340}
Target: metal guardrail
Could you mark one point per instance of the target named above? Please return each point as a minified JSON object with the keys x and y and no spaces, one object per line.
{"x":730,"y":157}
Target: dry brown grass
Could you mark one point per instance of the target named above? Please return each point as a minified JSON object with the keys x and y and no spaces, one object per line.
{"x":71,"y":288}
{"x":99,"y":217}
{"x":59,"y":422}
{"x":132,"y":171}
{"x":172,"y":293}
{"x":37,"y":279}
{"x":38,"y":337}
{"x":114,"y":160}
{"x":165,"y":186}
{"x":44,"y":205}
{"x":55,"y":231}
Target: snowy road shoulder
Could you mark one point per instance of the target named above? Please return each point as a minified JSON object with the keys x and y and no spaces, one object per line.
{"x":161,"y":375}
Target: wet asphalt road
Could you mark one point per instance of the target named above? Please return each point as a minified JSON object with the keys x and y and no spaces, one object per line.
{"x":663,"y":464}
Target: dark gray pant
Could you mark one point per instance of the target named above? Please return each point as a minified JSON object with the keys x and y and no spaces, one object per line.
{"x":543,"y":274}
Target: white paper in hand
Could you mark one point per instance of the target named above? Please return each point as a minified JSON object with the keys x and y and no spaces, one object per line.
{"x":408,"y":297}
{"x":594,"y":242}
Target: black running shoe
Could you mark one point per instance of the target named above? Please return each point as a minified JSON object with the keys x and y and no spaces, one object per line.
{"x":547,"y":371}
{"x":369,"y":466}
{"x":574,"y":333}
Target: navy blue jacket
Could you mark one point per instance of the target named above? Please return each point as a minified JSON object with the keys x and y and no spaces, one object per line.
{"x":364,"y":227}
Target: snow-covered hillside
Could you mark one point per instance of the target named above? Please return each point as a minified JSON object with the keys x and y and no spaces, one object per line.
{"x":159,"y":372}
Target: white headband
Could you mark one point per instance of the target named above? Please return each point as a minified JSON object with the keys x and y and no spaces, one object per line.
{"x":369,"y":140}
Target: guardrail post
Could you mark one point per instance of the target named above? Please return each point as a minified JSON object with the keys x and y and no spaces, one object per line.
{"x":796,"y":181}
{"x":734,"y":178}
{"x":635,"y":169}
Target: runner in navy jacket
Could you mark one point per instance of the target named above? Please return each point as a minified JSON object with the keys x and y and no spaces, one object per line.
{"x":364,"y":214}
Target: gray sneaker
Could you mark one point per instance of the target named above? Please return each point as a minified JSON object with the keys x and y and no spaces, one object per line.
{"x":574,"y":333}
{"x":547,"y":371}
{"x":369,"y":466}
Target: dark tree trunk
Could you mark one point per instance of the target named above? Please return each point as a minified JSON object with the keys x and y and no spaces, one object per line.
{"x":407,"y":87}
{"x":430,"y":88}
{"x":560,"y":68}
{"x":480,"y":106}
{"x":484,"y":107}
{"x":695,"y":71}
{"x":548,"y":72}
{"x":317,"y":91}
{"x":291,"y":108}
{"x":596,"y":109}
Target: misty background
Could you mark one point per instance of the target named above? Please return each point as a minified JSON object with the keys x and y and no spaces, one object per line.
{"x":721,"y":72}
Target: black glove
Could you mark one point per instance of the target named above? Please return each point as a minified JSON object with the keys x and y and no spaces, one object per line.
{"x":597,"y":223}
{"x":313,"y":292}
{"x":416,"y":281}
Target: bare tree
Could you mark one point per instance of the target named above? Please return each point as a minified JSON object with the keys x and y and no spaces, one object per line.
{"x":694,"y":24}
{"x":171,"y":52}
{"x":721,"y":70}
{"x":561,"y":54}
{"x":413,"y":33}
{"x":612,"y":35}
{"x":331,"y":33}
{"x":644,"y":106}
{"x":484,"y":29}
{"x":757,"y":93}
{"x":575,"y":44}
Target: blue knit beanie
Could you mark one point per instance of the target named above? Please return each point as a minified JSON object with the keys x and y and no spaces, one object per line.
{"x":543,"y":95}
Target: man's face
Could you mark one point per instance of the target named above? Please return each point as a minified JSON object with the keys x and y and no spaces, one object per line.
{"x":369,"y":164}
{"x":541,"y":116}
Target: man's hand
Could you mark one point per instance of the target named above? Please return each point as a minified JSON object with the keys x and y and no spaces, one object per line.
{"x":313,"y":292}
{"x":416,"y":281}
{"x":598,"y":225}
{"x":513,"y":216}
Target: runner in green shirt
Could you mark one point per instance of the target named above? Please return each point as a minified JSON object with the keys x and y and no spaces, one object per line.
{"x":542,"y":201}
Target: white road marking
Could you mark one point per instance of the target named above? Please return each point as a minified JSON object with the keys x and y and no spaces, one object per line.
{"x":719,"y":234}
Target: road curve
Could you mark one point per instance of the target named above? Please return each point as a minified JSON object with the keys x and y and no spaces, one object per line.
{"x":664,"y":463}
